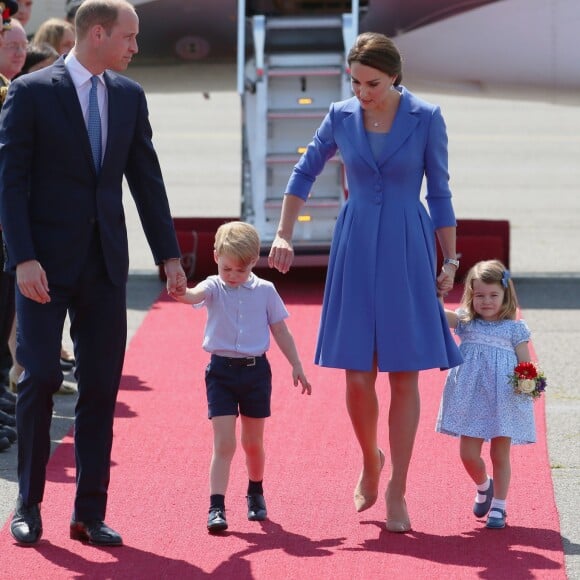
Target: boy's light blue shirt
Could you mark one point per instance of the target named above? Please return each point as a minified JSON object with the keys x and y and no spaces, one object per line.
{"x":239,"y":319}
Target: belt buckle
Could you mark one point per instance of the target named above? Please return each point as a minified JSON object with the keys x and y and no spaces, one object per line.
{"x":251,"y":361}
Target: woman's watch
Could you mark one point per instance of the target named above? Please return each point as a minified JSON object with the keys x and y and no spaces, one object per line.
{"x":451,"y":261}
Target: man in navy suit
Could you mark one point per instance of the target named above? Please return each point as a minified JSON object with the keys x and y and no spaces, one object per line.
{"x":65,"y":236}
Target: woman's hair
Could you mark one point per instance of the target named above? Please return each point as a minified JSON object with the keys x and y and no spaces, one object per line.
{"x":51,"y":32}
{"x":377,"y":51}
{"x":238,"y":240}
{"x":490,"y":272}
{"x":36,"y":53}
{"x":102,"y":12}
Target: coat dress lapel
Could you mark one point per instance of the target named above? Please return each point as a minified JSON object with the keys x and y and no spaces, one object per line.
{"x":404,"y":124}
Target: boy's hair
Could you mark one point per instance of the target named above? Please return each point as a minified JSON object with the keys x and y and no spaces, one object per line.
{"x":490,"y":272}
{"x":238,"y":240}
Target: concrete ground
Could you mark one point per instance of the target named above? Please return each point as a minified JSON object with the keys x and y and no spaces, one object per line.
{"x":512,"y":157}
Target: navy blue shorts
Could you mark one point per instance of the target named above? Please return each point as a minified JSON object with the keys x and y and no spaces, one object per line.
{"x":235,"y":386}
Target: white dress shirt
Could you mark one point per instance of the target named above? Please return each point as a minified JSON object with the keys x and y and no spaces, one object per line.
{"x":81,"y":79}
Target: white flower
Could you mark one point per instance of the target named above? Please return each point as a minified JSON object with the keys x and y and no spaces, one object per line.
{"x":527,"y":385}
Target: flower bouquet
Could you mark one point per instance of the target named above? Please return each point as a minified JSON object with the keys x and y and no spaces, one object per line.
{"x":528,"y":379}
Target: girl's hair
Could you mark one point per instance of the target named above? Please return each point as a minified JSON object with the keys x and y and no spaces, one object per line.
{"x":238,"y":240}
{"x":490,"y":272}
{"x":51,"y":32}
{"x":377,"y":51}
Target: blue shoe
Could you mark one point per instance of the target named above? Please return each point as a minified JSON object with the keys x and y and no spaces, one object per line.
{"x":481,"y":509}
{"x":496,"y":519}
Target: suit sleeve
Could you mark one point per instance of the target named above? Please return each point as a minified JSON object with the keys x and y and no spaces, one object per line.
{"x":145,"y":181}
{"x":16,"y":146}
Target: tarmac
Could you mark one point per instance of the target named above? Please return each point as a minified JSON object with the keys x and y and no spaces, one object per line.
{"x":513,"y":155}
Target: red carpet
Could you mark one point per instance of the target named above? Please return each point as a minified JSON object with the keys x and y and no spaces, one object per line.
{"x":159,"y":489}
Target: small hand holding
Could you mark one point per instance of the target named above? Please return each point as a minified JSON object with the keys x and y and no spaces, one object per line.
{"x":176,"y":278}
{"x":32,"y":281}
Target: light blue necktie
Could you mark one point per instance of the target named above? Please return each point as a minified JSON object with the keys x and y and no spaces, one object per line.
{"x":94,"y":124}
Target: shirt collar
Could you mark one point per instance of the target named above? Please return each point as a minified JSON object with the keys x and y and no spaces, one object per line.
{"x":79,"y":74}
{"x":250,"y":283}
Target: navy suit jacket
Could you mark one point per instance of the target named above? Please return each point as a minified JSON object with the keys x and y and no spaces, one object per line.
{"x":50,"y":195}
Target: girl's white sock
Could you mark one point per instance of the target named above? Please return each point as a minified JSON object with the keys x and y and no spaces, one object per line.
{"x":480,"y":497}
{"x":497,"y":504}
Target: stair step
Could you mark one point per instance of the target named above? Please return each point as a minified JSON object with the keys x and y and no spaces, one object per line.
{"x":300,"y":23}
{"x":304,"y":71}
{"x":298,"y":114}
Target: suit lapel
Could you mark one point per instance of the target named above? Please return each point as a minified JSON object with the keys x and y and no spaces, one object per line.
{"x":69,"y":100}
{"x":113,"y":113}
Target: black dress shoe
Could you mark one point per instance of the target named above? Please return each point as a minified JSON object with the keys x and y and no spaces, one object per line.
{"x":7,"y":395}
{"x":26,"y":525}
{"x":95,"y":532}
{"x":7,"y":406}
{"x":6,"y":419}
{"x":4,"y":443}
{"x":216,"y":520}
{"x":8,"y":432}
{"x":66,"y":364}
{"x":256,"y":507}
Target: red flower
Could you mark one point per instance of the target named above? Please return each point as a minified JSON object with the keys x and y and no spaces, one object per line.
{"x":526,"y":370}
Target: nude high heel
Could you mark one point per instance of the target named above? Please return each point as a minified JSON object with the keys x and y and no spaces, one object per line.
{"x":398,"y":522}
{"x":364,"y":498}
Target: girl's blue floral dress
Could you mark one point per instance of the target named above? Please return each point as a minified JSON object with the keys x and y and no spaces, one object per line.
{"x":478,"y":399}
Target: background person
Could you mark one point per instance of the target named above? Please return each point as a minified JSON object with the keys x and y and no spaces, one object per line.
{"x":13,"y":50}
{"x":380,"y":310}
{"x":38,"y":56}
{"x":77,"y":266}
{"x":57,"y":32}
{"x":7,"y":399}
{"x":24,"y":11}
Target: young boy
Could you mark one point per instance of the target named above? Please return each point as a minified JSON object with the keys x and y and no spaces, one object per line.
{"x":242,"y":309}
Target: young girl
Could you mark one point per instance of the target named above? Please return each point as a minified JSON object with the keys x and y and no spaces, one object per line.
{"x":479,"y":402}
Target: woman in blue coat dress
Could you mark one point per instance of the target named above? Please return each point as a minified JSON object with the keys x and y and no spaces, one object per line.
{"x":380,"y":309}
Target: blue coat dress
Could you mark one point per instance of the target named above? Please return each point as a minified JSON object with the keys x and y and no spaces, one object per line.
{"x":380,"y":295}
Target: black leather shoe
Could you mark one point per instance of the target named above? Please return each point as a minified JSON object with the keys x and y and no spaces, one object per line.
{"x":256,"y":507}
{"x":216,"y":520}
{"x":6,"y":419}
{"x":4,"y":443}
{"x":8,"y":432}
{"x":7,"y":395}
{"x":95,"y":532}
{"x":481,"y":509}
{"x":67,"y":364}
{"x":26,"y":525}
{"x":7,"y":406}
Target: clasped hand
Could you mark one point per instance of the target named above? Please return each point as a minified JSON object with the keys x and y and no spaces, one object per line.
{"x":176,"y":278}
{"x":281,"y":255}
{"x":445,"y":281}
